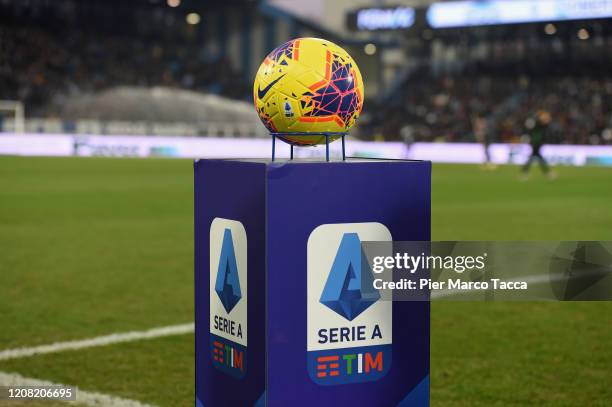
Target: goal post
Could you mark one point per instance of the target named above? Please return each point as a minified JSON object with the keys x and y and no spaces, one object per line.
{"x":17,"y":110}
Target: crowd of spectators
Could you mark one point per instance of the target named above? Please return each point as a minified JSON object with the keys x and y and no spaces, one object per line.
{"x":447,"y":107}
{"x":40,"y":66}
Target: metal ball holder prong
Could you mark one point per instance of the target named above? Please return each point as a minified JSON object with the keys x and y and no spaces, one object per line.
{"x":327,"y":136}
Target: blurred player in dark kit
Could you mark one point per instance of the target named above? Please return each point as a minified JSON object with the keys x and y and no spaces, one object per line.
{"x":538,"y":130}
{"x":482,"y":133}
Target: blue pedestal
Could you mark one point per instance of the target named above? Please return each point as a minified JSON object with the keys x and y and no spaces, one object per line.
{"x":281,"y":316}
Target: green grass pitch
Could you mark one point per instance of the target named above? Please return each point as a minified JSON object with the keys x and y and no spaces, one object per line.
{"x":95,"y":246}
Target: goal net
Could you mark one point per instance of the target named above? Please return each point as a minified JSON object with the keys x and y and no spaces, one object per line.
{"x":12,"y":116}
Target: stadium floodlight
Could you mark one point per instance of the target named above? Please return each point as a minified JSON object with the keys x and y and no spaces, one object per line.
{"x":550,"y":29}
{"x":18,"y":112}
{"x":193,"y":18}
{"x":369,"y":49}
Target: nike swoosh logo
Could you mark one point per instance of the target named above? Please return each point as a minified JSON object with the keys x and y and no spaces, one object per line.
{"x":262,"y":92}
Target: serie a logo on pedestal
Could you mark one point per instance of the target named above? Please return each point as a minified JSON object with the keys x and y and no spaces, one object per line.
{"x":228,"y":296}
{"x":349,"y":327}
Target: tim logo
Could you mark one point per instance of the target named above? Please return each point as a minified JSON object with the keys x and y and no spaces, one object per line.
{"x":227,"y":356}
{"x":228,"y":296}
{"x":349,"y":328}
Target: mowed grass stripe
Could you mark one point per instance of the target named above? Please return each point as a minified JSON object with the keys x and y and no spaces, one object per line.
{"x":471,"y":204}
{"x":521,"y":354}
{"x":157,"y":371}
{"x":92,"y":246}
{"x":109,"y":248}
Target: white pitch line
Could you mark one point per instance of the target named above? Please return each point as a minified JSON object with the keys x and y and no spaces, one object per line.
{"x":98,"y":341}
{"x":83,"y":397}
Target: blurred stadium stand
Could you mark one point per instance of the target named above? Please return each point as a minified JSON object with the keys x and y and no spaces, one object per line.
{"x":506,"y":74}
{"x":143,"y":66}
{"x":444,"y":108}
{"x":115,"y":66}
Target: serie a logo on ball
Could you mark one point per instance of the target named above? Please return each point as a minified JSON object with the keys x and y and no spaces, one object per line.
{"x":308,"y":85}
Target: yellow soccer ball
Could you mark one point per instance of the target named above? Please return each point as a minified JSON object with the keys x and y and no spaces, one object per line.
{"x":308,"y":85}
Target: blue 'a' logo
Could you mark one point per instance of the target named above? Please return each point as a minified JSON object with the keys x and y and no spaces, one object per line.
{"x":349,"y":288}
{"x":227,"y":285}
{"x":288,"y":110}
